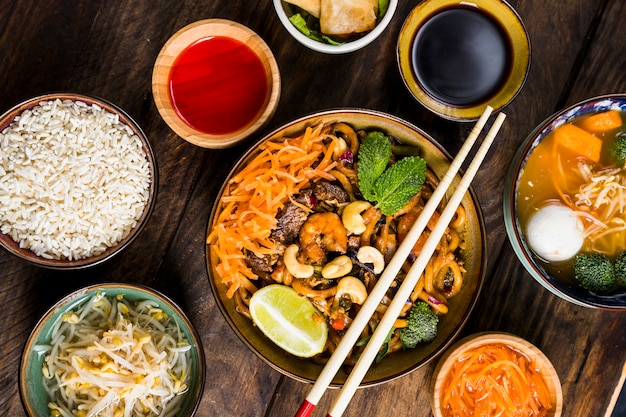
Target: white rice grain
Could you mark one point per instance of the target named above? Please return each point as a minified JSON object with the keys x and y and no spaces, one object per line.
{"x":74,"y":180}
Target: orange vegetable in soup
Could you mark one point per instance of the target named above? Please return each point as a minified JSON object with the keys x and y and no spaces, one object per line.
{"x":491,"y":380}
{"x":602,"y":122}
{"x":578,"y":140}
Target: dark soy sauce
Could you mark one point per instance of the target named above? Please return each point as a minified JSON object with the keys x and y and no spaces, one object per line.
{"x":461,"y":57}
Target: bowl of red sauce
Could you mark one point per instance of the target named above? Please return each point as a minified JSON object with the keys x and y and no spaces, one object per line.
{"x":215,"y":82}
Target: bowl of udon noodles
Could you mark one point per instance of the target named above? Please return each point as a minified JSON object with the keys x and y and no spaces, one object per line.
{"x":294,"y":202}
{"x":112,"y":349}
{"x":564,"y":203}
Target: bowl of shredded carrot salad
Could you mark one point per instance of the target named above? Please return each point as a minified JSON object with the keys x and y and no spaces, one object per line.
{"x":490,"y":374}
{"x":302,"y":209}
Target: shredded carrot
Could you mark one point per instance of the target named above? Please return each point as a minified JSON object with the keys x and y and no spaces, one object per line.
{"x":494,"y":379}
{"x":579,"y":141}
{"x":255,"y":195}
{"x":602,"y":122}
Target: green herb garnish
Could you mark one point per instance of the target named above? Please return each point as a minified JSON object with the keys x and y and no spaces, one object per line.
{"x":373,"y":156}
{"x":391,"y":188}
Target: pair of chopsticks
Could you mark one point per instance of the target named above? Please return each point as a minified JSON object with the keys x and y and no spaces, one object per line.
{"x":395,"y":264}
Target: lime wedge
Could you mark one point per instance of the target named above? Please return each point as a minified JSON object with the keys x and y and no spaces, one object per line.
{"x":289,"y":320}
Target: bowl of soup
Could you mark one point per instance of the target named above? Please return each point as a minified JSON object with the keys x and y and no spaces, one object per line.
{"x":335,"y":26}
{"x":215,"y":83}
{"x":457,"y":57}
{"x":292,"y":233}
{"x":564,"y":203}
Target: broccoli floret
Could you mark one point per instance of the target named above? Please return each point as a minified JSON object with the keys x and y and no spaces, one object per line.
{"x":594,"y":272}
{"x":620,"y":269}
{"x":421,"y":327}
{"x":617,"y":149}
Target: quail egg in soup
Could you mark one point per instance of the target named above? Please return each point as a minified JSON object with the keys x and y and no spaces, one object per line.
{"x":571,"y":202}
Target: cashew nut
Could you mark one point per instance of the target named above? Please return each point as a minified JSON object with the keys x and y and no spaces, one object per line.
{"x":341,"y":148}
{"x":353,"y":288}
{"x":337,"y":268}
{"x":294,"y":267}
{"x":371,"y":255}
{"x":351,"y":216}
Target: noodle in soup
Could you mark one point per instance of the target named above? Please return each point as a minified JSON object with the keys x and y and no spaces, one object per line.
{"x":578,"y":166}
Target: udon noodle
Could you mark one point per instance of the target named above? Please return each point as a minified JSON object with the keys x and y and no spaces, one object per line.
{"x":292,"y":207}
{"x":110,"y":357}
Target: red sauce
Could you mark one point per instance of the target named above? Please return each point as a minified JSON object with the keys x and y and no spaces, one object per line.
{"x":218,"y":85}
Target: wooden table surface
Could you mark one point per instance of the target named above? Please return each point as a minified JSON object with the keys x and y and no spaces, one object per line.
{"x":108,"y":48}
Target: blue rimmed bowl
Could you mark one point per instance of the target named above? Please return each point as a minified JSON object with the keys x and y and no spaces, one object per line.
{"x":566,"y":289}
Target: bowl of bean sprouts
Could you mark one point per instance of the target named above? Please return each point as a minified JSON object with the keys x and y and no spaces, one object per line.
{"x":289,"y":214}
{"x":112,"y":349}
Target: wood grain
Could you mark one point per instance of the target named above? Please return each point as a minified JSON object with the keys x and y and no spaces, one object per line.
{"x":108,"y":49}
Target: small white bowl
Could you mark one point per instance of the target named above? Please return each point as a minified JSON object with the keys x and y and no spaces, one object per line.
{"x":284,"y":11}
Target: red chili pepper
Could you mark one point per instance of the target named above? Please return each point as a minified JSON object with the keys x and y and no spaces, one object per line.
{"x":338,"y":323}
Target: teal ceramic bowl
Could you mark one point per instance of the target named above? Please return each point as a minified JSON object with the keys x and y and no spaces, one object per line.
{"x":34,"y":396}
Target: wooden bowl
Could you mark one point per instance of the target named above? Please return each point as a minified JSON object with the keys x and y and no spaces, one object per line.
{"x":459,"y":352}
{"x":461,"y":305}
{"x":203,"y":83}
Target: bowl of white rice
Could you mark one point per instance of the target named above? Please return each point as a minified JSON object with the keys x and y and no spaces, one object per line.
{"x":77,"y":180}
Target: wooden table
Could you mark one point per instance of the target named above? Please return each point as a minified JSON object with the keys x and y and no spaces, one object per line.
{"x":108,"y":48}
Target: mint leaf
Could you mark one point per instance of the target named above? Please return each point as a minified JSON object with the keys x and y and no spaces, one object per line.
{"x":401,"y":181}
{"x":373,"y":157}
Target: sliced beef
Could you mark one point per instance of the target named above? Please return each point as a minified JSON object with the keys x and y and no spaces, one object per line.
{"x":290,"y":219}
{"x":261,"y":264}
{"x":327,"y":191}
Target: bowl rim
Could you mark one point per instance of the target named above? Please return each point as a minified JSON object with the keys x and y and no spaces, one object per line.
{"x":481,"y":247}
{"x":520,"y":65}
{"x":79,"y":295}
{"x":12,"y":247}
{"x":550,"y":375}
{"x":564,"y":291}
{"x":194,"y":32}
{"x":347,"y":47}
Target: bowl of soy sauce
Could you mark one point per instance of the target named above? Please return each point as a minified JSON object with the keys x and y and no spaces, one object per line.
{"x":457,"y":57}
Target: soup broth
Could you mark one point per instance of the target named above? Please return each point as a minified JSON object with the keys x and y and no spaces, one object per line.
{"x":575,"y":166}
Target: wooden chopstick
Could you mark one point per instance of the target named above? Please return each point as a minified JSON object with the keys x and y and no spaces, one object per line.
{"x":395,"y":264}
{"x":415,"y":272}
